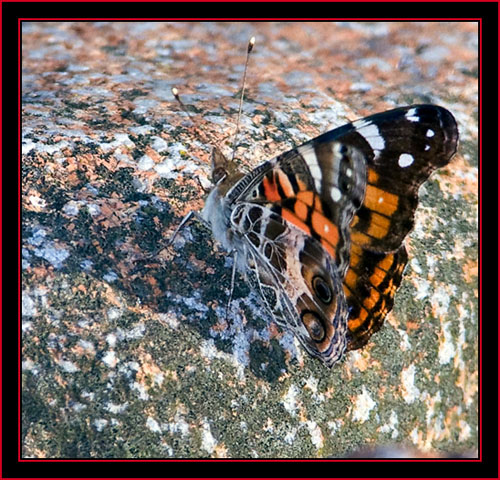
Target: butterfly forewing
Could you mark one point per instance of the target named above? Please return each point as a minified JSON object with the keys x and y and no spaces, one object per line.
{"x":402,"y":147}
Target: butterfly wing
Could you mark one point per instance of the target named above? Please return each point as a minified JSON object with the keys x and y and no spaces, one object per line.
{"x":297,"y":279}
{"x":354,"y":191}
{"x":293,"y":215}
{"x":402,"y":148}
{"x":316,"y":187}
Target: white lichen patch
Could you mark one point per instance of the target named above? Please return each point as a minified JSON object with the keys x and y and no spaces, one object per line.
{"x":110,"y":359}
{"x":67,"y":366}
{"x":28,"y":308}
{"x":335,"y":426}
{"x":422,"y":288}
{"x":290,"y":436}
{"x":159,"y":144}
{"x":72,"y":208}
{"x":143,"y":394}
{"x":415,"y":436}
{"x":110,"y":276}
{"x":409,"y":390}
{"x":86,"y":346}
{"x":145,"y":163}
{"x":169,"y":319}
{"x":100,"y":423}
{"x":433,"y":404}
{"x":446,"y":345}
{"x":316,"y":434}
{"x":178,"y":427}
{"x":290,"y":400}
{"x":312,"y":384}
{"x":391,"y":426}
{"x":208,"y":442}
{"x":121,"y":140}
{"x":37,"y":202}
{"x":405,"y":344}
{"x":111,"y":339}
{"x":54,"y":254}
{"x":465,"y":431}
{"x":415,"y":266}
{"x":30,"y":366}
{"x":153,"y":425}
{"x":208,"y":349}
{"x":363,"y":405}
{"x":116,"y":408}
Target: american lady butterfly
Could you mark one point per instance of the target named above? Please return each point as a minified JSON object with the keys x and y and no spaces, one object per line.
{"x":319,"y":230}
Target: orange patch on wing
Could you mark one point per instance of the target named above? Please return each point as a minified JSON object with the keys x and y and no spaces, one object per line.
{"x":355,"y":323}
{"x":360,"y":238}
{"x":390,"y":289}
{"x":387,"y":262}
{"x":271,"y":190}
{"x":356,"y":250}
{"x":317,"y":204}
{"x":380,"y":201}
{"x":290,"y":216}
{"x":285,"y":185}
{"x":306,"y":197}
{"x":354,"y":260}
{"x":328,"y":248}
{"x":301,"y":210}
{"x":379,"y":226}
{"x":350,"y":279}
{"x":324,"y":228}
{"x":302,"y":186}
{"x":377,"y":277}
{"x":372,"y":176}
{"x":370,"y":302}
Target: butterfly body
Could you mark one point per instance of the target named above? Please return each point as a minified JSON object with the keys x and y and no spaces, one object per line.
{"x":319,"y":230}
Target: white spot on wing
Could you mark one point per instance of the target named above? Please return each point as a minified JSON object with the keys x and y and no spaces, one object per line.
{"x":335,"y":194}
{"x":405,"y":160}
{"x":430,"y":133}
{"x":412,"y":116}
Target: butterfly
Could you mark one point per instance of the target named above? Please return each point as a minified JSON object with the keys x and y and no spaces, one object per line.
{"x":319,"y":230}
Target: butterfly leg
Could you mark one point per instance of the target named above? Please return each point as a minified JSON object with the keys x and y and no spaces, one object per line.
{"x":192,"y":214}
{"x":233,"y":277}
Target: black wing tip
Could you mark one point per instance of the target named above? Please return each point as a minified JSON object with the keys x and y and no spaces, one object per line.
{"x":447,"y":123}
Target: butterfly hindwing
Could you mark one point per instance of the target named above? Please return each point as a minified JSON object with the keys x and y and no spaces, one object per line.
{"x":370,"y":285}
{"x":297,"y":279}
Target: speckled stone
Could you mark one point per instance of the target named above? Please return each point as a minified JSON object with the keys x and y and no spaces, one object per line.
{"x":127,"y":351}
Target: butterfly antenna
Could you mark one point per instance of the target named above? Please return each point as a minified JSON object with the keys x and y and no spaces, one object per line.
{"x":251,"y":43}
{"x":202,"y":136}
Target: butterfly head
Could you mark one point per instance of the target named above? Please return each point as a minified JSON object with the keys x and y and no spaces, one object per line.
{"x":224,"y":172}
